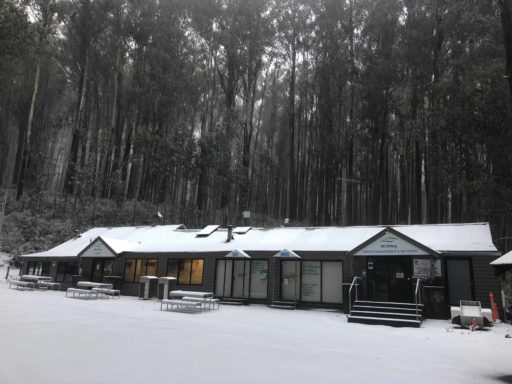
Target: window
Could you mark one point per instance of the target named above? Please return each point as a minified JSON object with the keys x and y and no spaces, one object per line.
{"x":321,"y":281}
{"x":135,"y":268}
{"x":187,"y":271}
{"x":65,"y":271}
{"x":39,"y":268}
{"x":172,"y":268}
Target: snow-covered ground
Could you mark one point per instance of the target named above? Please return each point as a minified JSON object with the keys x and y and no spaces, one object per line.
{"x":48,"y":338}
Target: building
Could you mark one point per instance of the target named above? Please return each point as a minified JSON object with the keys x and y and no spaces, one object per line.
{"x":312,"y":266}
{"x":503,"y":269}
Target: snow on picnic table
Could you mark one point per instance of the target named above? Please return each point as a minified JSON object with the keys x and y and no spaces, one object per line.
{"x":48,"y":338}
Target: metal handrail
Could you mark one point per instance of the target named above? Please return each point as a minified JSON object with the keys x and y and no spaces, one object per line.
{"x":417,"y":296}
{"x":350,"y":292}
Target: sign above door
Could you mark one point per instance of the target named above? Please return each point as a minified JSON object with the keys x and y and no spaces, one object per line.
{"x":389,"y":244}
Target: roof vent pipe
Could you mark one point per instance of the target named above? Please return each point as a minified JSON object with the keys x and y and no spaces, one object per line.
{"x":230,"y":234}
{"x":76,"y":234}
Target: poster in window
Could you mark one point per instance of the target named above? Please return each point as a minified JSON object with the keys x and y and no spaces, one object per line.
{"x":310,"y":288}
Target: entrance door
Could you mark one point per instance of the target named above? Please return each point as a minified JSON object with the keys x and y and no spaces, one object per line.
{"x":389,"y":279}
{"x":101,"y":268}
{"x":241,"y":276}
{"x":290,"y":282}
{"x":223,"y":278}
{"x":232,"y":278}
{"x":460,"y":285}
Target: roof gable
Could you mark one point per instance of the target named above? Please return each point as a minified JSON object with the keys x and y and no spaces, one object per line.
{"x":389,"y":242}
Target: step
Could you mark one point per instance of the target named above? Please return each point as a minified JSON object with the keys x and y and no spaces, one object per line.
{"x":387,"y":304}
{"x":391,"y":315}
{"x":283,"y":305}
{"x":230,"y":302}
{"x":384,"y":321}
{"x":387,"y":309}
{"x":278,"y":306}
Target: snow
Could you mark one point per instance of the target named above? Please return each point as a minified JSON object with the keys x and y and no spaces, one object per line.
{"x":474,"y":237}
{"x":48,"y":338}
{"x":506,"y":259}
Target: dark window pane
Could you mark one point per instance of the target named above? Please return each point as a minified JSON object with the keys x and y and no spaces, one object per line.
{"x":172,"y":268}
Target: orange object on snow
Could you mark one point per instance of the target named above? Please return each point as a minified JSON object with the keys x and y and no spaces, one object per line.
{"x":494,"y":308}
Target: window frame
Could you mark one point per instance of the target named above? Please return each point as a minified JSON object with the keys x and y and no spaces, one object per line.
{"x":321,"y":288}
{"x":136,"y":260}
{"x":68,"y":271}
{"x":37,"y":268}
{"x":183,"y":260}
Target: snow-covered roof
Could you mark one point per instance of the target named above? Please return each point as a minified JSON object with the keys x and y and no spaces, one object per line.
{"x":118,"y":238}
{"x":441,"y":238}
{"x":506,"y":259}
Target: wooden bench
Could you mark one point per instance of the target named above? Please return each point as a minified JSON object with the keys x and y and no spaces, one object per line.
{"x":108,"y":293}
{"x":81,"y":293}
{"x":180,"y":304}
{"x":21,"y":285}
{"x":207,"y":302}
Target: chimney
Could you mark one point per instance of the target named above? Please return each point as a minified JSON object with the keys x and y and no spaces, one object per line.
{"x":230,"y":234}
{"x":76,"y":234}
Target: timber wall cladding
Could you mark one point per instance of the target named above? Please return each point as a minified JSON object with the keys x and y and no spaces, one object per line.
{"x":485,"y":280}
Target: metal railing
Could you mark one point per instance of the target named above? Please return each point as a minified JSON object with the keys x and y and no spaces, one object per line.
{"x":354,"y":284}
{"x":417,"y":296}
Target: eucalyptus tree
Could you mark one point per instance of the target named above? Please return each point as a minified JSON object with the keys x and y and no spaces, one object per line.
{"x":17,"y":38}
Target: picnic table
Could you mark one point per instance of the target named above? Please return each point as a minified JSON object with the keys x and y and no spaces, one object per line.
{"x":181,"y":293}
{"x":92,"y":284}
{"x":93,"y":290}
{"x":35,"y":278}
{"x":190,"y":300}
{"x":40,"y":282}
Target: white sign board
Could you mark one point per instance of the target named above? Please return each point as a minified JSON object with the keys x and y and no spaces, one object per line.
{"x":98,"y":249}
{"x":437,"y":268}
{"x":390,"y":245}
{"x":422,"y":268}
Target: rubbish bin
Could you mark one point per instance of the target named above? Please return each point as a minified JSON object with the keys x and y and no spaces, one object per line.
{"x":75,"y":279}
{"x":114,"y":280}
{"x":148,"y":286}
{"x":165,"y":284}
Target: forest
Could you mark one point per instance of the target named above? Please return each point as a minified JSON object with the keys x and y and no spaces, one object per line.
{"x":303,"y":112}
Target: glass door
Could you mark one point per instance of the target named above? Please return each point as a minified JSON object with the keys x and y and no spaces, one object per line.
{"x":101,"y":268}
{"x":389,"y":279}
{"x":290,"y":280}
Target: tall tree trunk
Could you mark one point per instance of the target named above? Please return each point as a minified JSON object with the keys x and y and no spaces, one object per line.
{"x":506,"y":23}
{"x":291,"y":206}
{"x":26,"y":142}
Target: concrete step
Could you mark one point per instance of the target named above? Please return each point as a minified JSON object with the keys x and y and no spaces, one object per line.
{"x":392,"y":315}
{"x":232,"y":301}
{"x":283,"y":305}
{"x":387,"y":304}
{"x":384,"y":321}
{"x":386,"y":309}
